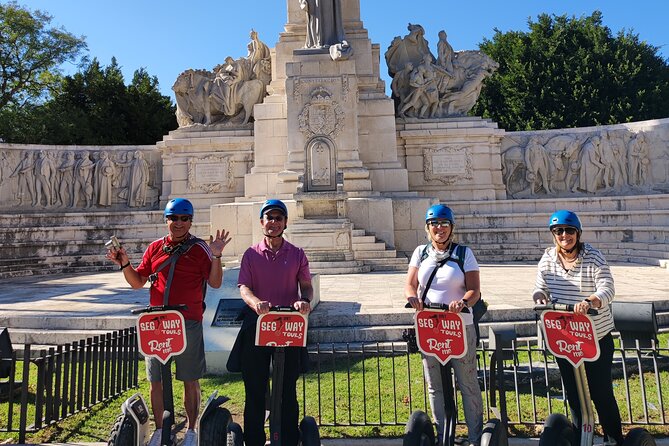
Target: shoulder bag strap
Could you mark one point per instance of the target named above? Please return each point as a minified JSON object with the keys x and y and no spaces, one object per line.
{"x":172,"y":261}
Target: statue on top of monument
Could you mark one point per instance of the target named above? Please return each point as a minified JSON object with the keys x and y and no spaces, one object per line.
{"x":226,"y":95}
{"x":457,"y":76}
{"x":325,"y":27}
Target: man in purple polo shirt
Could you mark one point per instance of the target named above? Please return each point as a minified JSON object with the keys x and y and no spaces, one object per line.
{"x":269,"y":276}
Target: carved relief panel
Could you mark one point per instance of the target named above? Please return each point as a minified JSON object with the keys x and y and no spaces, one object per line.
{"x":78,"y":179}
{"x":321,"y":165}
{"x":210,"y":173}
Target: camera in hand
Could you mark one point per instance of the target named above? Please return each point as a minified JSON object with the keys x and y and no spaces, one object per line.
{"x":113,"y":243}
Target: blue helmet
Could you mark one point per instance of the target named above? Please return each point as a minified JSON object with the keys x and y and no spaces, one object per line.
{"x":565,"y":218}
{"x":439,"y":211}
{"x":178,"y":206}
{"x":273,"y":204}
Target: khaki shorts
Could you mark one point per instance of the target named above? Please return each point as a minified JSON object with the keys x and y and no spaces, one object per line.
{"x":191,"y":365}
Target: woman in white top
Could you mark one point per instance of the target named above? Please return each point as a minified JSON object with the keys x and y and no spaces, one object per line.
{"x":573,"y":272}
{"x":455,"y":287}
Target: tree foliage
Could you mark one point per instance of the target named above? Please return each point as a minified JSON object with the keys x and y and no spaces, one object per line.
{"x":94,"y":106}
{"x":31,"y":53}
{"x":572,"y":72}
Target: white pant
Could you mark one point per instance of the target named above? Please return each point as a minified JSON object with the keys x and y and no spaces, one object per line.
{"x":467,"y":380}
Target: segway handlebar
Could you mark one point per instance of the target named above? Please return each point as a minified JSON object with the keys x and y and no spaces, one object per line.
{"x":562,"y":307}
{"x":151,"y":309}
{"x":433,"y":306}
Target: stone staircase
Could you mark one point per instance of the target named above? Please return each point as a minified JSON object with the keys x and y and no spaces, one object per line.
{"x":74,"y":242}
{"x":334,"y":246}
{"x":626,"y":229}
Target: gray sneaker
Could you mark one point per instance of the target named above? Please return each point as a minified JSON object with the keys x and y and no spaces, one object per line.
{"x":155,"y":438}
{"x":190,"y":439}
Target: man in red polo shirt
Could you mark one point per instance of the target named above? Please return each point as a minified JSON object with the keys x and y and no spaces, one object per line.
{"x":198,"y":264}
{"x":273,"y":273}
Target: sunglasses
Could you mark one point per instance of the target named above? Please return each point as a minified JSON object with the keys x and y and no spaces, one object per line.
{"x":442,"y":224}
{"x":278,"y":218}
{"x":183,"y":218}
{"x":560,"y":231}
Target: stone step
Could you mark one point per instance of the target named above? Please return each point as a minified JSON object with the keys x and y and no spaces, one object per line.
{"x":70,"y":323}
{"x":355,"y":240}
{"x":377,"y":246}
{"x":358,"y":233}
{"x":579,"y":205}
{"x":376,"y":254}
{"x":51,"y":337}
{"x":115,"y":218}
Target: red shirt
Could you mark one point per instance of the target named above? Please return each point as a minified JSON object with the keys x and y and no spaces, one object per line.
{"x":274,"y":277}
{"x":191,"y":271}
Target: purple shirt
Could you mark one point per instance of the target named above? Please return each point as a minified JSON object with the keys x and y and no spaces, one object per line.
{"x":274,"y":277}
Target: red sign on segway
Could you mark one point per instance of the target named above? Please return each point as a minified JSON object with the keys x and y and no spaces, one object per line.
{"x":161,"y":334}
{"x":281,"y":329}
{"x":441,"y":334}
{"x":570,"y":336}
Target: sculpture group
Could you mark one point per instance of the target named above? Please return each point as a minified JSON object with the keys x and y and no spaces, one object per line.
{"x":427,"y":87}
{"x":73,"y":179}
{"x":226,"y":94}
{"x":610,"y":160}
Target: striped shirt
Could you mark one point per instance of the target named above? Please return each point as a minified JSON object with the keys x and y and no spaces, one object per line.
{"x":589,"y":276}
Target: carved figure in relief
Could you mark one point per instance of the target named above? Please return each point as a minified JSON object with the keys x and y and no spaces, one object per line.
{"x":614,"y":144}
{"x":400,"y":85}
{"x":26,"y":179}
{"x":424,"y":96}
{"x":634,"y":158}
{"x":590,"y":174}
{"x":83,"y":179}
{"x":4,"y":167}
{"x":513,"y":164}
{"x":44,"y":169}
{"x":66,"y":170}
{"x":104,"y":175}
{"x":563,"y":152}
{"x":138,"y":180}
{"x":537,"y":162}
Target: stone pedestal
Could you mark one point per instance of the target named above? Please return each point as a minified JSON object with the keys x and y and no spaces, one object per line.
{"x":205,"y":164}
{"x":453,"y":159}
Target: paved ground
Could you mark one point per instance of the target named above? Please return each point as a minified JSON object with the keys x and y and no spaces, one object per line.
{"x":107,"y":295}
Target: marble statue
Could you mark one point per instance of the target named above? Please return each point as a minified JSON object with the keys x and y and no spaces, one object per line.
{"x":228,"y":93}
{"x":4,"y":167}
{"x":325,"y":25}
{"x":137,"y":180}
{"x":458,"y":76}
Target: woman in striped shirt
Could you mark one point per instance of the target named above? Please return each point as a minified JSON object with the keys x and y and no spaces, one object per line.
{"x":573,"y":272}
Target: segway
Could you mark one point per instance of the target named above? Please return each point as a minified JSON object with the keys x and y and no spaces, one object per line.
{"x":573,"y":337}
{"x":495,"y":431}
{"x":282,"y":328}
{"x":161,"y":335}
{"x":441,"y":334}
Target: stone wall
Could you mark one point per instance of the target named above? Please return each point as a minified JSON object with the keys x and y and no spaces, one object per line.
{"x":39,"y":177}
{"x":622,"y":159}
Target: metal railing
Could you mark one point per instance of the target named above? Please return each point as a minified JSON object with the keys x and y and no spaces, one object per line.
{"x":381,"y":384}
{"x":60,"y":381}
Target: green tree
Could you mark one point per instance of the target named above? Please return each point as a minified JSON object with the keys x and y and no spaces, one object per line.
{"x":572,"y":72}
{"x":94,"y":106}
{"x":31,"y":53}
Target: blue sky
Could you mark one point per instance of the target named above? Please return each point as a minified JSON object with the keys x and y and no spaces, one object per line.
{"x":167,"y":37}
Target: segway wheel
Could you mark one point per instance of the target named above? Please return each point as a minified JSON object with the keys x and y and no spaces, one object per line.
{"x":123,"y":432}
{"x":558,"y":431}
{"x":419,"y":430}
{"x":494,"y":434}
{"x":639,"y":437}
{"x":214,"y":428}
{"x":309,"y":434}
{"x":235,"y":435}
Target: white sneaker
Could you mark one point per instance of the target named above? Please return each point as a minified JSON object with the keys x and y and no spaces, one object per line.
{"x":190,"y":439}
{"x":155,"y":438}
